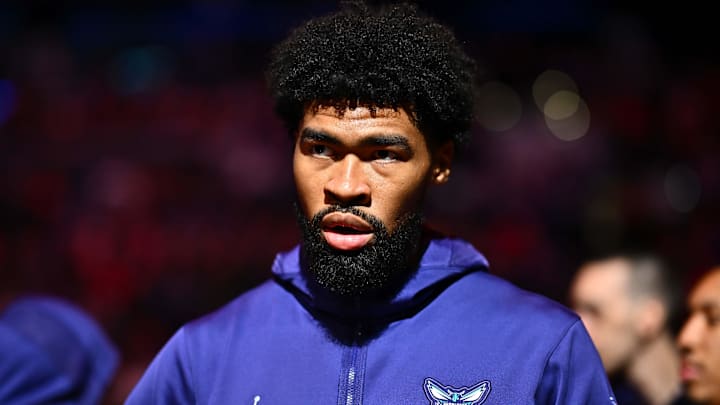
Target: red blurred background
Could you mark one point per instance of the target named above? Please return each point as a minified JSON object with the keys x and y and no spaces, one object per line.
{"x":145,"y":177}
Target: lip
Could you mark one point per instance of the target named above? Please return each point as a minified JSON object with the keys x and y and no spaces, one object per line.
{"x":689,"y":371}
{"x":344,"y":231}
{"x":344,"y":220}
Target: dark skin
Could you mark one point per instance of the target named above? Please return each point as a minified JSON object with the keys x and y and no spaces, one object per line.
{"x":381,"y":164}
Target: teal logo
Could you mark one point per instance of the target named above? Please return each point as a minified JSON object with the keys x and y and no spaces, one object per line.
{"x":439,"y":394}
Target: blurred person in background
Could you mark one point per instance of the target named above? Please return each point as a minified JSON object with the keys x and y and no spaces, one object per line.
{"x":373,"y":307}
{"x":699,"y":341}
{"x":52,"y":352}
{"x":628,"y":303}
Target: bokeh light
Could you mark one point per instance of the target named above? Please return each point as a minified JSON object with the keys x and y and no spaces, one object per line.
{"x":561,"y":105}
{"x":567,"y":115}
{"x":549,"y":83}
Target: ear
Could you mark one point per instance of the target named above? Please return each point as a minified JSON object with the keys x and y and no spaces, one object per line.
{"x":442,"y":161}
{"x":651,"y":318}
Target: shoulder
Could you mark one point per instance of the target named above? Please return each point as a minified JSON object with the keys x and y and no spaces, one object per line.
{"x":506,"y":299}
{"x":483,"y":302}
{"x":458,"y":265}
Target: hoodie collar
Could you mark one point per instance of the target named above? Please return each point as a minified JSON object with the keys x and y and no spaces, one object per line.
{"x":444,"y":261}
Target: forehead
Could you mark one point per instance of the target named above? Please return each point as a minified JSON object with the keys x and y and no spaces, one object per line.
{"x":707,"y":292}
{"x":361,"y":121}
{"x":604,"y":277}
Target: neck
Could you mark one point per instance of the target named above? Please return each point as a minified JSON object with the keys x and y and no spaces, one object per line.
{"x":655,"y":370}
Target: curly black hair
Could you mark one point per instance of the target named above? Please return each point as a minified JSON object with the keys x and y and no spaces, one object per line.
{"x":390,"y":56}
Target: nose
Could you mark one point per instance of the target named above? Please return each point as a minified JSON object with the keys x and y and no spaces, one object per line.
{"x":691,"y":332}
{"x":348,"y":183}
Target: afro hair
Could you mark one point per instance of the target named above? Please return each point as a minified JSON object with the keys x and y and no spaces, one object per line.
{"x":390,"y":56}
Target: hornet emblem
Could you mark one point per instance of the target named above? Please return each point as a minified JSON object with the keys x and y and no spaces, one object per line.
{"x":439,"y":394}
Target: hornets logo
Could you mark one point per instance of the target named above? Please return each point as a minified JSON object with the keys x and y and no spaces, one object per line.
{"x":439,"y":394}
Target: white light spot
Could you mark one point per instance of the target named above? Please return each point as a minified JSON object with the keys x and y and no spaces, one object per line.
{"x":561,"y":105}
{"x":682,"y":188}
{"x":567,"y":116}
{"x":499,"y":107}
{"x":550,"y":82}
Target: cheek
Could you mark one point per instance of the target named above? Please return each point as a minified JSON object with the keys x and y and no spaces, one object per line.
{"x":714,"y":351}
{"x":397,"y":199}
{"x":308,"y":187}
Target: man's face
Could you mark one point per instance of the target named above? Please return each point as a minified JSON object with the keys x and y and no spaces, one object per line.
{"x":361,"y":177}
{"x":600,"y":296}
{"x":699,"y":342}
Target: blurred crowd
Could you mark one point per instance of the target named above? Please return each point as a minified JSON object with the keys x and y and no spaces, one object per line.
{"x":145,"y":177}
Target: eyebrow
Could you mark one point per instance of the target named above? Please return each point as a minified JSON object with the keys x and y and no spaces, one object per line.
{"x":708,"y":306}
{"x":310,"y":134}
{"x":386,"y":140}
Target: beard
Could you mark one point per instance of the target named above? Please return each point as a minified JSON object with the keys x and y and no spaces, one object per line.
{"x":373,"y":269}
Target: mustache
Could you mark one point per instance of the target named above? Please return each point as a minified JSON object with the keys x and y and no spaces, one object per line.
{"x":374,"y":221}
{"x":373,"y":269}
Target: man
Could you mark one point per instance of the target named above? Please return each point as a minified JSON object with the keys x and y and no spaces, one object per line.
{"x":627,"y":303}
{"x":372,"y":307}
{"x":699,"y":341}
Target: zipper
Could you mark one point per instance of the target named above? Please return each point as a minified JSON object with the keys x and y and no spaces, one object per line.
{"x":352,"y":375}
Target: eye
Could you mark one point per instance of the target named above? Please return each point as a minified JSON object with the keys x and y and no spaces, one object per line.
{"x":713,"y":320}
{"x":320,"y":150}
{"x":384,"y":154}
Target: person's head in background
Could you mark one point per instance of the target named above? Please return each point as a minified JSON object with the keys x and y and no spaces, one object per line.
{"x":699,"y":341}
{"x":629,"y":303}
{"x":52,"y":352}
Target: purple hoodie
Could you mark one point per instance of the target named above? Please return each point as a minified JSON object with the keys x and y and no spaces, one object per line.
{"x":453,"y":334}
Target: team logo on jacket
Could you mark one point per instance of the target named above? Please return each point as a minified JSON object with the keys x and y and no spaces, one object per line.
{"x":439,"y":394}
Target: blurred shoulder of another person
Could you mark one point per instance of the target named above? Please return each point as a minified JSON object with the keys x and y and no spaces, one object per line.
{"x":53,"y":352}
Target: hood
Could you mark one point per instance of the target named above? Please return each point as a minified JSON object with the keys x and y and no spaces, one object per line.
{"x":444,"y":261}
